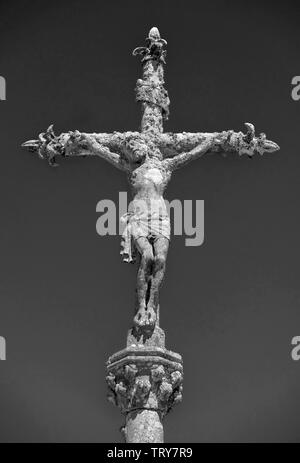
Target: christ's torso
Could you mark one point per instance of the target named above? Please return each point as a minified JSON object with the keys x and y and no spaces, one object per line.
{"x":148,"y":183}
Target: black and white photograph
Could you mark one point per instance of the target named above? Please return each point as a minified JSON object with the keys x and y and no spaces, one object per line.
{"x":150,"y":224}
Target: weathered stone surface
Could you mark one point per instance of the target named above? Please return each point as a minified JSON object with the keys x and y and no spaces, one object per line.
{"x":156,"y":338}
{"x":145,"y":380}
{"x":143,"y":426}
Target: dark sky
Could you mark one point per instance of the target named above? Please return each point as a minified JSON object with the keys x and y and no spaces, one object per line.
{"x":230,"y":306}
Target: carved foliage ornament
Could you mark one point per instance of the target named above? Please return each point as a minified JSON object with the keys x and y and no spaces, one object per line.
{"x":157,"y":387}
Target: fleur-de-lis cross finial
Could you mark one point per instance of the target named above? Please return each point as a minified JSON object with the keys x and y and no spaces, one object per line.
{"x":154,"y":49}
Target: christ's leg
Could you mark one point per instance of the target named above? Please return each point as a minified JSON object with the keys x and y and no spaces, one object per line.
{"x":161,"y":246}
{"x":143,"y":316}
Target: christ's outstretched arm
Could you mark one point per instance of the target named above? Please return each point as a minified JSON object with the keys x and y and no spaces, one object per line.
{"x":181,"y":148}
{"x":107,"y":146}
{"x":207,"y":144}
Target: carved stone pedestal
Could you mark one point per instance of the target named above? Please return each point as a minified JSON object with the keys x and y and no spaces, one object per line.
{"x":145,"y":381}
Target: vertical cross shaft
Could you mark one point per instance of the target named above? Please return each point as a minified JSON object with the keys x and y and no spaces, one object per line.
{"x":150,"y":89}
{"x":145,"y":379}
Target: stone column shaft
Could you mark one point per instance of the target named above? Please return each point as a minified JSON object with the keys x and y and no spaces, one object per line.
{"x":144,"y":426}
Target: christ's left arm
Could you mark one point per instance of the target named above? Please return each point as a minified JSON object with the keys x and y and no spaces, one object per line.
{"x":179,"y":149}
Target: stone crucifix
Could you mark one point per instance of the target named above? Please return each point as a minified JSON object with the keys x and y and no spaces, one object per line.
{"x":145,"y":379}
{"x":149,"y":158}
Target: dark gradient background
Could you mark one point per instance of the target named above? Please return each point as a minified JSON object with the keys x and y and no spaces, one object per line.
{"x":231,"y":306}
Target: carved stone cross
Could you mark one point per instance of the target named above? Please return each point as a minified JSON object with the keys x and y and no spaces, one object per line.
{"x":149,"y":158}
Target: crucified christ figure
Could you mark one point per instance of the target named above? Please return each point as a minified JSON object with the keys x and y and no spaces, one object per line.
{"x":149,"y":158}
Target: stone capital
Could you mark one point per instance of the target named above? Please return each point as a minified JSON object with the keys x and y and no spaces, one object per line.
{"x":147,"y":378}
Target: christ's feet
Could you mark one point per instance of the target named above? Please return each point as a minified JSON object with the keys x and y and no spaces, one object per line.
{"x":145,"y":318}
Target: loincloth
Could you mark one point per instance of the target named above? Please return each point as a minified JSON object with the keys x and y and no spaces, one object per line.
{"x":151,"y":226}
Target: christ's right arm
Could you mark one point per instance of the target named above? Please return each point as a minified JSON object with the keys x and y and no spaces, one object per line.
{"x":108,"y":146}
